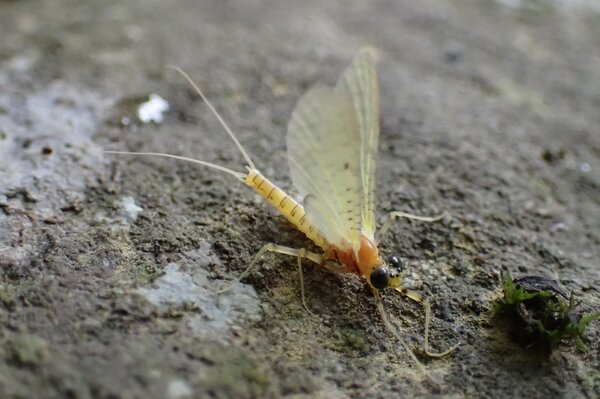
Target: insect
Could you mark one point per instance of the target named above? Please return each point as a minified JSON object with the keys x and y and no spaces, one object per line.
{"x":332,"y":142}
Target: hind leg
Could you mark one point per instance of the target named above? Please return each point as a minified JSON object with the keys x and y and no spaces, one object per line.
{"x":297,"y":252}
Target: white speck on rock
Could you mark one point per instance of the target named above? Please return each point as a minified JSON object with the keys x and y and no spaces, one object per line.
{"x":153,"y":109}
{"x":560,"y":226}
{"x":129,"y":208}
{"x":585,"y":167}
{"x":179,"y":389}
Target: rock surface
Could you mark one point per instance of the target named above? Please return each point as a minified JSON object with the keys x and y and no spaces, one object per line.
{"x":108,"y":263}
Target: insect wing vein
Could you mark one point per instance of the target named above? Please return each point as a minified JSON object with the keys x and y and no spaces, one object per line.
{"x":323,"y":143}
{"x":359,"y":81}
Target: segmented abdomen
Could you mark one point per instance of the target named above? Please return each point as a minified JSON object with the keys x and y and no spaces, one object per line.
{"x":290,"y":208}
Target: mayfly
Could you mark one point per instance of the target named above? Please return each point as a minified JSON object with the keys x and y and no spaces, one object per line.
{"x":332,"y":142}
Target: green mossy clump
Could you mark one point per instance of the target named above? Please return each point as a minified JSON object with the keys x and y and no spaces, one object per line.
{"x":541,"y":313}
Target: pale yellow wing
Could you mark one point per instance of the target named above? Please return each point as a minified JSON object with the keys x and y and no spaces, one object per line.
{"x":359,"y":81}
{"x":324,"y":144}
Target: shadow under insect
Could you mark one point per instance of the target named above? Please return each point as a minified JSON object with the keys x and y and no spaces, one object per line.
{"x":539,"y":314}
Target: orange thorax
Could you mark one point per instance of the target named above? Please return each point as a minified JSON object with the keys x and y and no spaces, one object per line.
{"x":363,"y":262}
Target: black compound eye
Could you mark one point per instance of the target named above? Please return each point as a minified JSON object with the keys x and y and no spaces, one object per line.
{"x":379,"y":278}
{"x":396,"y":264}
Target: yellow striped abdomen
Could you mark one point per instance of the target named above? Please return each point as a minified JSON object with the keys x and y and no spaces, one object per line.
{"x":290,"y":208}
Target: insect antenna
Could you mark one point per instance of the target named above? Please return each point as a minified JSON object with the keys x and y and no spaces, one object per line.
{"x":239,"y":175}
{"x":217,"y":115}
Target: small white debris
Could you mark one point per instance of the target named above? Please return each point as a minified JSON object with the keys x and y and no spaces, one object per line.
{"x":153,"y":109}
{"x":560,"y":226}
{"x":129,"y":208}
{"x":179,"y":389}
{"x":585,"y":167}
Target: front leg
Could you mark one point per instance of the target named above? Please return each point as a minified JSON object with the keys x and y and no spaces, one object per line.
{"x":415,"y":296}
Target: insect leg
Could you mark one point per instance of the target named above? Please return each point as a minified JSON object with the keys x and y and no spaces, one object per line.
{"x":392,"y":329}
{"x":395,"y":215}
{"x":300,"y":253}
{"x":415,"y":296}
